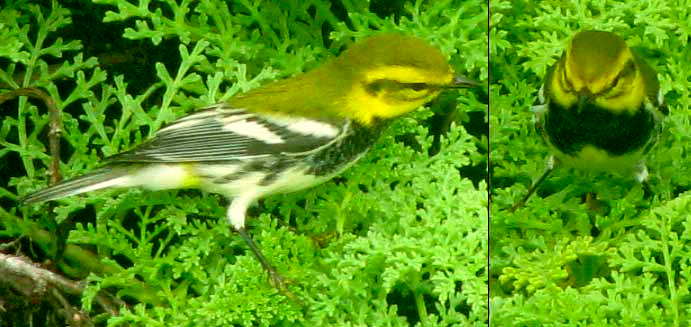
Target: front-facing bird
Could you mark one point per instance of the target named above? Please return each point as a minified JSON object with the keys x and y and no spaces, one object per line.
{"x":282,"y":137}
{"x":599,"y":108}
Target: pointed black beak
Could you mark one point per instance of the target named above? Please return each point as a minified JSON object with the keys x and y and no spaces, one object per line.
{"x":583,"y":100}
{"x":460,"y":82}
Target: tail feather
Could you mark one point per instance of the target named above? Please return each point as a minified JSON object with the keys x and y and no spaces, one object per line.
{"x":109,"y":176}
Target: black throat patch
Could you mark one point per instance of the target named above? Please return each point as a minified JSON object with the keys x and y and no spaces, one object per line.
{"x":616,"y":133}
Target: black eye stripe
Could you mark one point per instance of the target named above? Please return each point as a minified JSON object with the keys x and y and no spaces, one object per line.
{"x":377,"y":86}
{"x":564,"y":81}
{"x":416,"y":86}
{"x":381,"y":84}
{"x":629,"y":68}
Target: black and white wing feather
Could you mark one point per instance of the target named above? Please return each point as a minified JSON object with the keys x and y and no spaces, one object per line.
{"x":231,"y":143}
{"x":222,"y":133}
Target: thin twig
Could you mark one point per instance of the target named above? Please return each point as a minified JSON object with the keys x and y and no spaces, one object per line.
{"x":55,"y":123}
{"x":73,"y":316}
{"x":30,"y":279}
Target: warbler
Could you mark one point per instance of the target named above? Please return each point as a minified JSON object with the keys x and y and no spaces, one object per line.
{"x":600,"y":108}
{"x":284,"y":136}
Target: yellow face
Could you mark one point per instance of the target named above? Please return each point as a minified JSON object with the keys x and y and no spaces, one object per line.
{"x":379,"y":78}
{"x":391,"y":91}
{"x":599,"y":67}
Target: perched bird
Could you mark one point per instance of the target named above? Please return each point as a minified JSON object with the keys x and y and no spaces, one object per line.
{"x":600,"y":108}
{"x":284,"y":136}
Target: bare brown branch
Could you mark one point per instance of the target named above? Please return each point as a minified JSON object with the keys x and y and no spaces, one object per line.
{"x":32,"y":281}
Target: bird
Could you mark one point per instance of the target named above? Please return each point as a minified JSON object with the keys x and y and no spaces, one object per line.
{"x":600,"y":109}
{"x":281,"y":137}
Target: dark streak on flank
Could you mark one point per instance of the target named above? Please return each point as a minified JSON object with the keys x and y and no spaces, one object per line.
{"x":358,"y":140}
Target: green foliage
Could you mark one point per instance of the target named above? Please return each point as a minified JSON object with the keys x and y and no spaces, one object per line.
{"x":568,"y":259}
{"x":400,"y":239}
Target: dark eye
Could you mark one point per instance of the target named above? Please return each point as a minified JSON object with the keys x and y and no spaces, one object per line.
{"x":616,"y":80}
{"x":626,"y":73}
{"x":417,"y":86}
{"x":565,"y":82}
{"x":377,"y":86}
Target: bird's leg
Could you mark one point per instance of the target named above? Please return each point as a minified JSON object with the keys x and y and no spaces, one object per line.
{"x":236,"y":216}
{"x":277,"y":280}
{"x":551,"y":164}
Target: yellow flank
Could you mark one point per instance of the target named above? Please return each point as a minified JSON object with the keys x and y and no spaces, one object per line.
{"x":190,"y":178}
{"x":167,"y":176}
